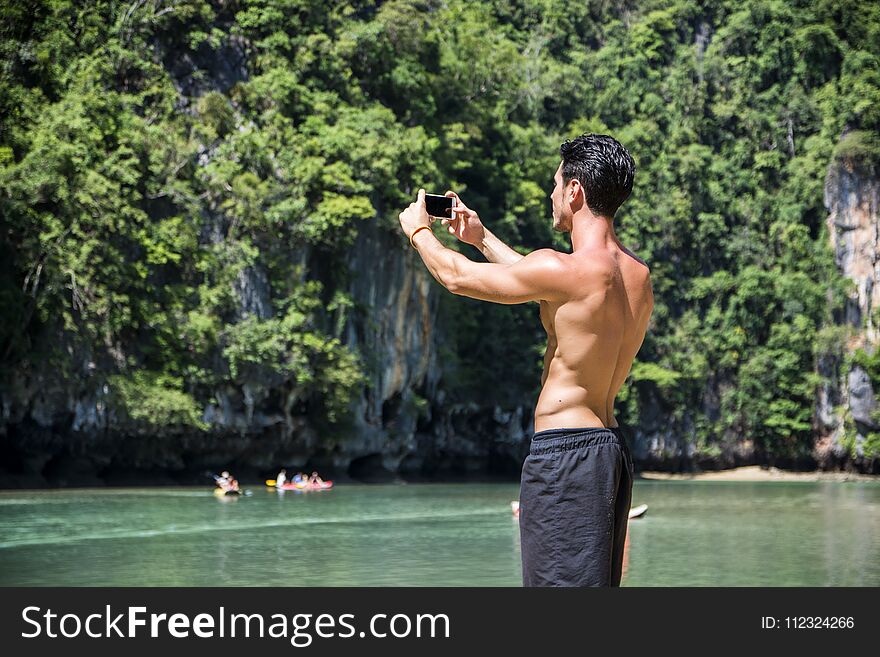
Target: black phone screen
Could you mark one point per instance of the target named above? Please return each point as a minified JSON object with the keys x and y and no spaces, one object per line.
{"x":439,"y":206}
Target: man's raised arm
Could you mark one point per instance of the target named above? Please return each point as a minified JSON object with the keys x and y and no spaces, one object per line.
{"x":494,"y":250}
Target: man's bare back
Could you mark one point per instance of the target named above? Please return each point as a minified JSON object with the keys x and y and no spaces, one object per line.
{"x":592,"y":336}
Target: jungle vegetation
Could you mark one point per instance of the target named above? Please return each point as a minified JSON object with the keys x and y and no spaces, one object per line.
{"x":153,"y":152}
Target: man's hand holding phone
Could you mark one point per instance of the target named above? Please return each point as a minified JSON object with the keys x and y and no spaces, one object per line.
{"x":465,"y":223}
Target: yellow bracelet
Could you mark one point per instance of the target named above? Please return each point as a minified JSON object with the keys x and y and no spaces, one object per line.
{"x":414,"y":234}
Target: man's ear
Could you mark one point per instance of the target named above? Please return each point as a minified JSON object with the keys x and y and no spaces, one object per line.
{"x":576,"y":190}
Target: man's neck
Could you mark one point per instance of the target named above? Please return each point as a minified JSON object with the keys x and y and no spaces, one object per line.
{"x":591,"y":231}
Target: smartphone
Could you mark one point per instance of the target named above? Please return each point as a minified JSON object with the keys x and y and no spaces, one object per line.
{"x":439,"y":206}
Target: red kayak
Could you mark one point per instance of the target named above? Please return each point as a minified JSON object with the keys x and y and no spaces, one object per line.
{"x":304,"y":487}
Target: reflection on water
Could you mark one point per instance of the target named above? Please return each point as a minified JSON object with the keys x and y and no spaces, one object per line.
{"x":694,"y":534}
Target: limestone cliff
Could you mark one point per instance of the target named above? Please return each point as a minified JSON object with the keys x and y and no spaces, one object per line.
{"x":847,"y":403}
{"x":852,"y":197}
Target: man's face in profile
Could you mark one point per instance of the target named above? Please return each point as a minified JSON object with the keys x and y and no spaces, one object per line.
{"x":557,"y":199}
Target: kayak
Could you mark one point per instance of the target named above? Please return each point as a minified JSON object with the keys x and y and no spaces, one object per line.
{"x":272,"y":483}
{"x":299,"y":487}
{"x":219,"y":492}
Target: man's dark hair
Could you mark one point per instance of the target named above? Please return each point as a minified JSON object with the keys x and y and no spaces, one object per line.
{"x":603,"y":167}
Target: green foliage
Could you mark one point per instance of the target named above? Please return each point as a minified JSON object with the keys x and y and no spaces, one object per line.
{"x":664,"y":379}
{"x":285,"y":351}
{"x":870,"y":361}
{"x":154,"y":156}
{"x":217,"y":114}
{"x":859,"y":147}
{"x":155,"y":400}
{"x":870,"y":444}
{"x":776,"y":390}
{"x":831,"y":340}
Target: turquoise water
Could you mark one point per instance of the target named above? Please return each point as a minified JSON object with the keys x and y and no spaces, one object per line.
{"x":694,"y":533}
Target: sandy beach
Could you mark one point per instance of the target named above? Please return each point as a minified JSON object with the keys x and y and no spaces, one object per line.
{"x":758,"y":473}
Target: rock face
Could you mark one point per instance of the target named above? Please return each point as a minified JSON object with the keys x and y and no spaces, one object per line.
{"x":399,"y":348}
{"x":402,"y":425}
{"x":852,"y":198}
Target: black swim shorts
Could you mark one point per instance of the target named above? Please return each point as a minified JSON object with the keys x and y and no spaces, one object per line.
{"x":575,"y":495}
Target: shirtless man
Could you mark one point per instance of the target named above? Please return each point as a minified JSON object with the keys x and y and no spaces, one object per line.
{"x":595,"y":305}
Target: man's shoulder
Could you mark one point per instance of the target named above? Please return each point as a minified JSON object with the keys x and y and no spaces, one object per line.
{"x":546,"y":253}
{"x":546,"y":259}
{"x":545,"y":270}
{"x":546,"y":264}
{"x":635,"y":257}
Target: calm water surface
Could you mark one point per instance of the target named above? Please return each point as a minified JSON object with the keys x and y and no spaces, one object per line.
{"x":695,"y":534}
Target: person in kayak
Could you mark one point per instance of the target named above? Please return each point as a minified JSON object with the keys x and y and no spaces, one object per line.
{"x":315,"y":481}
{"x":226,"y":482}
{"x":280,"y":478}
{"x":223,"y":480}
{"x":595,"y":305}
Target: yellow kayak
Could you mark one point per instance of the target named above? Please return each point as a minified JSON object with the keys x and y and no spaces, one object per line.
{"x":219,"y":492}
